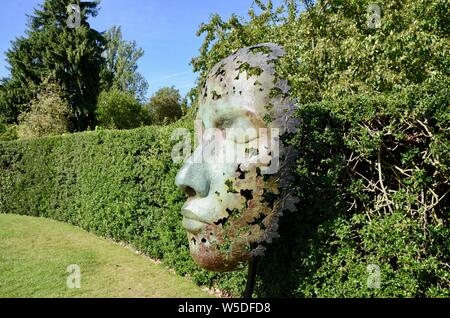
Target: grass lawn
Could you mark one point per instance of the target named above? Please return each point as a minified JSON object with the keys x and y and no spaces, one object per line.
{"x":35,"y":253}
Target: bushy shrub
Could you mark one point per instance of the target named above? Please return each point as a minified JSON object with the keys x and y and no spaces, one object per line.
{"x":7,"y":131}
{"x":165,"y":106}
{"x":49,"y":113}
{"x":120,"y":110}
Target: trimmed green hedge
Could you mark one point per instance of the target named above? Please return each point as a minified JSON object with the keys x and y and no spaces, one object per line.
{"x":120,"y":184}
{"x":348,"y":220}
{"x":116,"y":183}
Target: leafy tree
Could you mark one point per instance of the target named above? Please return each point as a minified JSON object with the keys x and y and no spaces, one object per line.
{"x":49,"y":113}
{"x":184,"y":106}
{"x":14,"y":98}
{"x":165,"y":105}
{"x":51,"y":49}
{"x":7,"y":132}
{"x":331,"y":49}
{"x":120,"y":110}
{"x":120,"y":71}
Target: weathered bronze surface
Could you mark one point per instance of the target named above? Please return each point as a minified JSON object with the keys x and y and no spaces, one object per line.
{"x":233,"y":207}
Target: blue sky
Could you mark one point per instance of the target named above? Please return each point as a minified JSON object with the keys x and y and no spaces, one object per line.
{"x":165,"y":29}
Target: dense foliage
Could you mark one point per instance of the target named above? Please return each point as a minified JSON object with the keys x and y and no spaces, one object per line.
{"x":120,"y":70}
{"x":331,"y":49}
{"x":7,"y":131}
{"x":49,"y":113}
{"x":12,"y":100}
{"x":373,"y":182}
{"x":165,"y":106}
{"x":117,"y":109}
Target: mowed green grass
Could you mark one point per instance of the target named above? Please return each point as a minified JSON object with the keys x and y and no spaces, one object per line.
{"x":35,"y":254}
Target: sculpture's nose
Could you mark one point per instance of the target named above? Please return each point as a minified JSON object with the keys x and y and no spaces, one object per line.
{"x":193,"y":178}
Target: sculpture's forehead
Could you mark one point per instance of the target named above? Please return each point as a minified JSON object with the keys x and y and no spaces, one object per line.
{"x":240,"y":84}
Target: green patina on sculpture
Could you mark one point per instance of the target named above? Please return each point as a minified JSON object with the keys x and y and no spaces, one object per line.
{"x":233,"y":208}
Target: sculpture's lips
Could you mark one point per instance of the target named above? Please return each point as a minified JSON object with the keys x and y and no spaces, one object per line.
{"x":192,"y":226}
{"x":191,"y":222}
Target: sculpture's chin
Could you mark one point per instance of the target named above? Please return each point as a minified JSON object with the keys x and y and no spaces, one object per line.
{"x":217,"y":261}
{"x":210,"y":257}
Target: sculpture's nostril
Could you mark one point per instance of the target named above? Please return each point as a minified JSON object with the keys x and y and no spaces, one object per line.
{"x":189,"y":191}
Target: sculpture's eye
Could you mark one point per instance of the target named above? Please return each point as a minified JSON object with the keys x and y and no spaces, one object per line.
{"x":237,"y":129}
{"x":243,"y":131}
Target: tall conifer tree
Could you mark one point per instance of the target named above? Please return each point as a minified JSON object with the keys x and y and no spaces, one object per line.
{"x":70,"y":54}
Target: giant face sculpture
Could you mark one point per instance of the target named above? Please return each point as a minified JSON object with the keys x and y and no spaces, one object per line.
{"x":236,"y":179}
